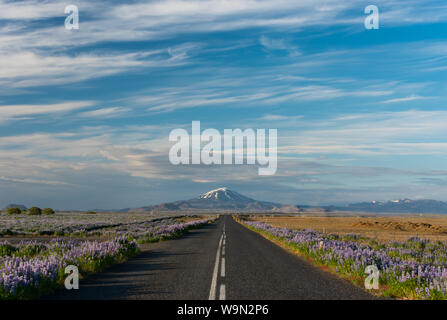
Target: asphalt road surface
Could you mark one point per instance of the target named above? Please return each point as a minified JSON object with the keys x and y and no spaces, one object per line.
{"x":223,"y":260}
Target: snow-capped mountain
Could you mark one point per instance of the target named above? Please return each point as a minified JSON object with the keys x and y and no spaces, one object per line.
{"x":221,"y":199}
{"x":225,"y":194}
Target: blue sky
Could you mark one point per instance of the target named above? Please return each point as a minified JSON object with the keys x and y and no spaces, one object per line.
{"x":85,"y":114}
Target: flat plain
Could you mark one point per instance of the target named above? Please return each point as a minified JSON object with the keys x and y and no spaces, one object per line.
{"x":382,"y":228}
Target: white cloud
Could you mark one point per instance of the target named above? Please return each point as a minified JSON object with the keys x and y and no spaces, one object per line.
{"x":412,"y":132}
{"x":11,"y":112}
{"x":30,"y":69}
{"x":35,"y":181}
{"x":276,"y":117}
{"x":105,"y":112}
{"x":207,"y":100}
{"x":279,"y":44}
{"x":27,"y":10}
{"x":405,"y":99}
{"x":141,"y":20}
{"x":321,"y":92}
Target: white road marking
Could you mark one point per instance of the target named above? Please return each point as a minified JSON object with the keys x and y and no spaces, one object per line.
{"x":220,"y":260}
{"x":222,"y":292}
{"x":222,"y":268}
{"x":216,"y":269}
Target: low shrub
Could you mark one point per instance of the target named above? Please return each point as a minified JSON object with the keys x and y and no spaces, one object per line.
{"x":14,"y":210}
{"x":47,"y":211}
{"x":35,"y":211}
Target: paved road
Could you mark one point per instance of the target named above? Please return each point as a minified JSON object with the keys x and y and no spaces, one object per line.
{"x":223,"y":260}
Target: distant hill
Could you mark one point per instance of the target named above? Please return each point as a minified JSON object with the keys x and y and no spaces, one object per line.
{"x":396,"y":206}
{"x":12,"y":205}
{"x":221,"y":199}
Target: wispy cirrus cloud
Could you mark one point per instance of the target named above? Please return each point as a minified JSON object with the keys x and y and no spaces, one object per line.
{"x":26,"y":69}
{"x":105,"y":112}
{"x":33,"y":181}
{"x":411,"y":132}
{"x":279,"y":44}
{"x":406,"y":99}
{"x":16,"y":112}
{"x":30,"y":10}
{"x":277,"y":117}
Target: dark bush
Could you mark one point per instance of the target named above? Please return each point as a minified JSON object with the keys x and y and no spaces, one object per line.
{"x":34,"y":211}
{"x":46,"y":233}
{"x":47,"y":211}
{"x":14,"y":211}
{"x":7,"y":232}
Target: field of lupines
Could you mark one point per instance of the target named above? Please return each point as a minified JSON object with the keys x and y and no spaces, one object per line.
{"x":31,"y":269}
{"x":65,"y":223}
{"x":151,"y":231}
{"x":415,"y":269}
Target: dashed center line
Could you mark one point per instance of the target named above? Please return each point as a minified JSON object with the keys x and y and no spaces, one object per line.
{"x":222,"y":292}
{"x":222,"y":265}
{"x":220,"y":260}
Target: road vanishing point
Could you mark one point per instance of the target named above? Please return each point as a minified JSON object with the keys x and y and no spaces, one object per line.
{"x":220,"y":261}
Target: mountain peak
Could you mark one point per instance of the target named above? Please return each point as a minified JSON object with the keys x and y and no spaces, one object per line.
{"x":221,"y":199}
{"x":223,"y":194}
